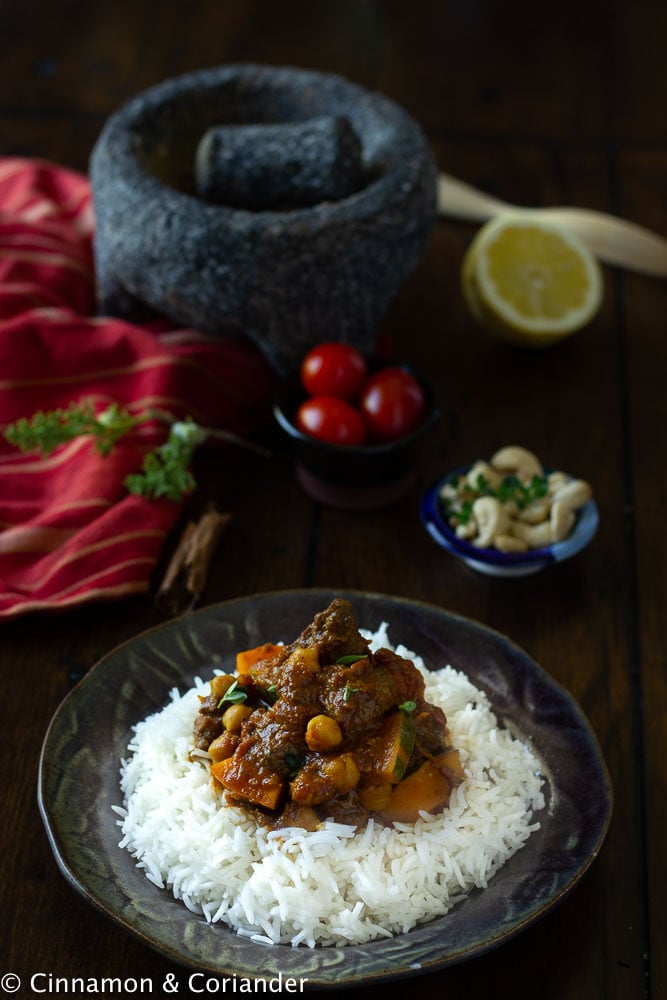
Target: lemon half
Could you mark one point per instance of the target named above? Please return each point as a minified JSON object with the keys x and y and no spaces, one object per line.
{"x":529,"y":281}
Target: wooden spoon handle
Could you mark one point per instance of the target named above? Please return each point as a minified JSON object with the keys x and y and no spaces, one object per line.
{"x":615,"y":241}
{"x":461,"y":201}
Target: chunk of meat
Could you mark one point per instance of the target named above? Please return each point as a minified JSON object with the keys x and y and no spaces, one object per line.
{"x":359,"y":695}
{"x":206,"y":729}
{"x":334,"y":633}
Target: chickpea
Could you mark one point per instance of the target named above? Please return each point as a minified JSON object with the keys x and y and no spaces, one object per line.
{"x":304,"y":663}
{"x":234,"y":717}
{"x":223,"y":746}
{"x":323,"y":733}
{"x":220,"y":685}
{"x":342,"y":772}
{"x":375,"y":797}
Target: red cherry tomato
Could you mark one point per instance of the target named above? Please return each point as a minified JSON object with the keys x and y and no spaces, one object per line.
{"x":330,"y":419}
{"x":392,"y":404}
{"x":333,"y":369}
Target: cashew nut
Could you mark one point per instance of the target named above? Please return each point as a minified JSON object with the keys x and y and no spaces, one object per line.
{"x":491,"y":475}
{"x":535,"y":535}
{"x":467,"y":530}
{"x":523,"y":463}
{"x":509,"y":543}
{"x":555,"y":481}
{"x":561,"y":521}
{"x":534,"y":512}
{"x":449,"y":491}
{"x":573,"y":494}
{"x":492,"y":519}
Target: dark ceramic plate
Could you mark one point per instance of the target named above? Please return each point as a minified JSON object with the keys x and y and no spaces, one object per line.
{"x":93,"y":724}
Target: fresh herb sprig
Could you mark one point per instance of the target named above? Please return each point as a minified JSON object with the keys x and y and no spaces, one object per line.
{"x":165,"y":470}
{"x":234,"y":695}
{"x":45,"y":431}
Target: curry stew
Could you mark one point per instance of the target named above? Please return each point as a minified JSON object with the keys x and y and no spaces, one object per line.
{"x":324,"y":727}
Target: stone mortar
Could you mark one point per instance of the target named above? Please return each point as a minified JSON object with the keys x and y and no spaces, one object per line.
{"x":286,"y":279}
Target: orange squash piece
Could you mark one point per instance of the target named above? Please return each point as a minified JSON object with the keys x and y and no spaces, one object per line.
{"x":250,"y":781}
{"x":392,"y":748}
{"x":427,"y":789}
{"x":247,"y":658}
{"x":451,"y":759}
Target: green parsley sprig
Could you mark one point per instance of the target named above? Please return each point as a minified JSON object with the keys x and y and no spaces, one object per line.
{"x":165,"y":471}
{"x":45,"y":431}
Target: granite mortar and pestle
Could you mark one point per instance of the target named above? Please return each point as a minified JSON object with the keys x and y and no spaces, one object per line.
{"x":279,"y":204}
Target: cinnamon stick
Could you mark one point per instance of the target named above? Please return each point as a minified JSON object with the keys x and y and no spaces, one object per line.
{"x":185,"y":578}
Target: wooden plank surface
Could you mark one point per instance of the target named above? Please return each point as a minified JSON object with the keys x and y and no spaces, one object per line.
{"x":556,"y":106}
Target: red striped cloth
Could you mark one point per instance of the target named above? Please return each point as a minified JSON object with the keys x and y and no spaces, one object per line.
{"x":69,"y":531}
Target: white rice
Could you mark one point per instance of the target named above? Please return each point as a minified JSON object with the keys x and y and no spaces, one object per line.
{"x":338,"y":885}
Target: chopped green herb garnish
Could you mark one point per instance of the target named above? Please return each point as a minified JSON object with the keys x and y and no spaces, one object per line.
{"x":465,"y":513}
{"x":349,"y":691}
{"x":271,"y":693}
{"x":539,"y":487}
{"x":351,"y":658}
{"x":234,"y":695}
{"x":408,"y":706}
{"x":510,"y":490}
{"x":293,"y":761}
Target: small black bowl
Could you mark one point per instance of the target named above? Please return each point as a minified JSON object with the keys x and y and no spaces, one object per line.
{"x":354,"y":477}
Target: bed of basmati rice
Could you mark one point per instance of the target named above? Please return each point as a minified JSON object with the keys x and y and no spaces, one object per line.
{"x":338,"y":885}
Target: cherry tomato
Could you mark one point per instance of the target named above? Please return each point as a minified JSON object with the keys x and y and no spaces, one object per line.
{"x":392,"y":404}
{"x":333,"y":369}
{"x":330,"y":419}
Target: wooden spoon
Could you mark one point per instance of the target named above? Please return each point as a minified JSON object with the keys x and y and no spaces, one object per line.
{"x":613,"y":240}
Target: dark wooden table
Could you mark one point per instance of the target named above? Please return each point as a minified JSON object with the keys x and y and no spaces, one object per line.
{"x":540,"y":104}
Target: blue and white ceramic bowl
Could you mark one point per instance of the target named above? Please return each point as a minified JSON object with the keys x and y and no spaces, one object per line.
{"x":505,"y":564}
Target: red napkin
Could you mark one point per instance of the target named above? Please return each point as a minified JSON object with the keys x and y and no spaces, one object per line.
{"x":69,"y":531}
